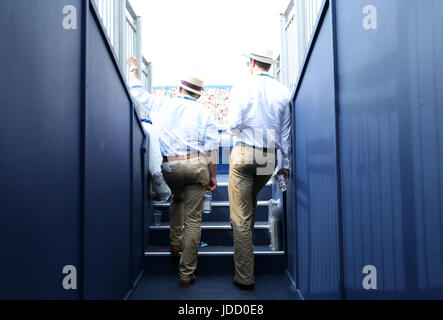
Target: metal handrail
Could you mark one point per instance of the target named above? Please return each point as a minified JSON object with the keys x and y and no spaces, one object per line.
{"x":124,"y":29}
{"x":297,"y":26}
{"x":131,"y":10}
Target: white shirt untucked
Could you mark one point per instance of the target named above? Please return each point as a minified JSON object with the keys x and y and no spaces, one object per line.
{"x":183,"y":125}
{"x":259,"y":114}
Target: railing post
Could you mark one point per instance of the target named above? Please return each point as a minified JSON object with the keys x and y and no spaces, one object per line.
{"x":138,"y":44}
{"x":149,"y":77}
{"x":284,"y":51}
{"x":116,"y":27}
{"x":122,"y":37}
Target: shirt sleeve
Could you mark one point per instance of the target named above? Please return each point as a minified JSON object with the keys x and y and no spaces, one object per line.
{"x":212,"y":139}
{"x":285,"y":141}
{"x":144,"y":98}
{"x":235,"y":114}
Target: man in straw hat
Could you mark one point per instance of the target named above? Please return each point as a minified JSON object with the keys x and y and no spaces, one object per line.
{"x":189,"y":142}
{"x":260,"y":121}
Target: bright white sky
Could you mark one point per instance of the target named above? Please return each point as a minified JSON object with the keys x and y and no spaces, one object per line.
{"x":206,"y":37}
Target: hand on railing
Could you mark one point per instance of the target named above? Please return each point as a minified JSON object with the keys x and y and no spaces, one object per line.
{"x":133,"y":62}
{"x":285,"y":173}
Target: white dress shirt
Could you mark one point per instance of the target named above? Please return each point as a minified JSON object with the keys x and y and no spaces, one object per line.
{"x":183,"y":125}
{"x":259,"y":114}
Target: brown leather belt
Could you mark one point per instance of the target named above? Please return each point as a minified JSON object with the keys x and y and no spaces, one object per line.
{"x":184,"y":157}
{"x":265,"y":150}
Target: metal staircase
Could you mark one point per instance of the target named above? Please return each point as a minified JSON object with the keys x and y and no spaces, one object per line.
{"x":217,"y":233}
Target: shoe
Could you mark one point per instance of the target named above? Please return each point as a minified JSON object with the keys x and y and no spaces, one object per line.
{"x":246,"y":287}
{"x":175,"y":250}
{"x":188,"y":283}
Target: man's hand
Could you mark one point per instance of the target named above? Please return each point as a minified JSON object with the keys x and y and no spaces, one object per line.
{"x":284,"y":172}
{"x":212,"y":184}
{"x":133,"y":62}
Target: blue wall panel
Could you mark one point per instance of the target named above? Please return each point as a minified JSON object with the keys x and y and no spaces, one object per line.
{"x":316,"y":169}
{"x":391,"y":147}
{"x":290,"y":227}
{"x":140,"y":192}
{"x":147,"y":199}
{"x":72,"y":171}
{"x":40,"y":143}
{"x":108,"y":184}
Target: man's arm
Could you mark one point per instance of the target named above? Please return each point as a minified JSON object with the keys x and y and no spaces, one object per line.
{"x":235,"y":116}
{"x":211,"y":146}
{"x":144,"y":98}
{"x":212,"y":156}
{"x":133,"y":63}
{"x":285,"y":142}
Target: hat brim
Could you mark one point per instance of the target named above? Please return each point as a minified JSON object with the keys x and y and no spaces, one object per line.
{"x":260,"y":58}
{"x":191,"y":90}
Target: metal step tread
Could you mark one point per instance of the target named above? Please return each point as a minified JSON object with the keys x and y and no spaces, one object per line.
{"x":222,"y":181}
{"x":214,"y":204}
{"x":213,"y":251}
{"x":225,"y":184}
{"x":213,"y":226}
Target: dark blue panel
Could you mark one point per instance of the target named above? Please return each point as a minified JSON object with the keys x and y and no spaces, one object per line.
{"x":316,"y":170}
{"x":147,"y":199}
{"x":137,"y":245}
{"x":108,"y":198}
{"x":391,"y":103}
{"x":288,"y":218}
{"x":40,"y":143}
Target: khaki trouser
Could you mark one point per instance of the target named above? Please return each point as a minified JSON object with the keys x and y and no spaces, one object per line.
{"x":188,"y":180}
{"x":250,"y":170}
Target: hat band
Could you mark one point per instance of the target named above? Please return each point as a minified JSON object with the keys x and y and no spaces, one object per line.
{"x":259,"y":56}
{"x":192,"y":86}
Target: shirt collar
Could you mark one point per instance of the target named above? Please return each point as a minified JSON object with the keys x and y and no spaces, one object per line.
{"x":186,"y":97}
{"x":263,"y":74}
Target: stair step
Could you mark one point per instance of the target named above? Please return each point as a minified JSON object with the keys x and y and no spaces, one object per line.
{"x":212,"y":226}
{"x":218,"y":261}
{"x":214,"y":251}
{"x":220,"y":211}
{"x":224,"y":183}
{"x":221,"y":193}
{"x":214,"y":204}
{"x":213,"y":233}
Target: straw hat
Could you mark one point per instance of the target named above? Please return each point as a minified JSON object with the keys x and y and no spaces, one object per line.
{"x":265,"y":56}
{"x":192,"y":84}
